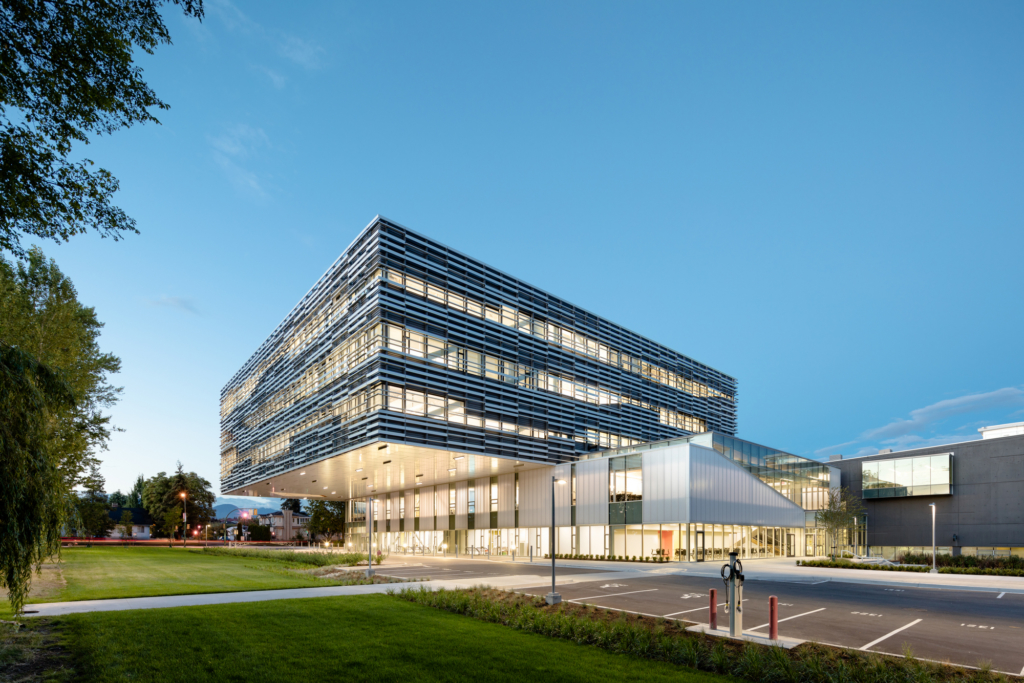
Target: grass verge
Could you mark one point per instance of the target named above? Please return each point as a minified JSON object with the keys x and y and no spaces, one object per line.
{"x":354,"y":638}
{"x":317,"y":558}
{"x":667,"y":641}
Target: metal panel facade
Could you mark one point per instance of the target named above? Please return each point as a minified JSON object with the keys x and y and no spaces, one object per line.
{"x":442,"y":507}
{"x":722,"y":492}
{"x":427,"y":497}
{"x":404,"y":340}
{"x":482,"y":492}
{"x":592,"y":492}
{"x":535,"y":498}
{"x":462,"y":505}
{"x":666,"y":485}
{"x":506,"y":501}
{"x":563,"y":496}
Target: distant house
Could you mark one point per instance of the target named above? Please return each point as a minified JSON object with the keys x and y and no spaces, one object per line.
{"x":284,"y":524}
{"x":142,"y":523}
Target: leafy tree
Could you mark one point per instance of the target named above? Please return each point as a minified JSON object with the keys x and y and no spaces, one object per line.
{"x":169,"y":522}
{"x":326,"y":518}
{"x":135,"y":495}
{"x":126,"y":524}
{"x":40,"y":313}
{"x":293,"y":504}
{"x":67,"y":75}
{"x":117,"y":498}
{"x":162,"y":492}
{"x":93,"y":519}
{"x":35,"y":494}
{"x":842,"y":511}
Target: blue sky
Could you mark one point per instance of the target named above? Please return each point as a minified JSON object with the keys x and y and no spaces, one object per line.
{"x":822,"y":200}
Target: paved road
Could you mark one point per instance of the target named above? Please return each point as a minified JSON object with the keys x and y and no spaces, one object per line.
{"x":963,"y":627}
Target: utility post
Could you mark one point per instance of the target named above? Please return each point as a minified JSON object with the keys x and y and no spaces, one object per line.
{"x":184,"y":519}
{"x":553,"y":598}
{"x":732,"y":576}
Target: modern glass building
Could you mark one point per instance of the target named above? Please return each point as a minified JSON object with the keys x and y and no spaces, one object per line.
{"x":451,"y":393}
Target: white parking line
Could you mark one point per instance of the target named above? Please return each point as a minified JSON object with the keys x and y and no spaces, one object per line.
{"x":696,"y":610}
{"x":758,"y":628}
{"x":889,"y":635}
{"x":1000,"y":595}
{"x":610,"y":595}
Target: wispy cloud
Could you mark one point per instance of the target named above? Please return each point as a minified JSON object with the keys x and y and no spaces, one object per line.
{"x":911,"y":432}
{"x":233,"y":149}
{"x":177,"y":302}
{"x":278,"y":79}
{"x":232,"y":17}
{"x":303,"y":52}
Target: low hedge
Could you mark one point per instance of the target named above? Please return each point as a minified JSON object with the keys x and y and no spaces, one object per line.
{"x":981,"y":570}
{"x":967,"y":561}
{"x":846,"y":564}
{"x":606,"y":558}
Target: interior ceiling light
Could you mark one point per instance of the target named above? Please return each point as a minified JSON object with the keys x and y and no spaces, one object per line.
{"x":380,"y":448}
{"x":360,"y":469}
{"x":333,"y":492}
{"x":418,"y":475}
{"x":419,"y":483}
{"x":458,"y":457}
{"x":325,"y":488}
{"x":387,"y":462}
{"x":364,"y":478}
{"x":452,"y":470}
{"x":314,"y":481}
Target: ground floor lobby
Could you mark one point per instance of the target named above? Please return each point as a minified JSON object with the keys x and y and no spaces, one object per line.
{"x":694,"y":542}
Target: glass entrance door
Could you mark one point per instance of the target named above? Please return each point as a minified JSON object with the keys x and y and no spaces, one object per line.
{"x":790,"y":545}
{"x":698,"y":549}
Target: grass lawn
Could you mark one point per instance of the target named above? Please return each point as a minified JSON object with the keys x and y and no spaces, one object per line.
{"x":356,"y":638}
{"x":97,"y":573}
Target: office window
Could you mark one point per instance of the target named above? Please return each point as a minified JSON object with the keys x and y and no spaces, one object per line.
{"x":472,"y":500}
{"x":494,"y":495}
{"x":924,"y":475}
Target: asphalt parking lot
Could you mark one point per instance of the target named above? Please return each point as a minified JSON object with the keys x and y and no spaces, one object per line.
{"x":438,"y":568}
{"x":958,"y":626}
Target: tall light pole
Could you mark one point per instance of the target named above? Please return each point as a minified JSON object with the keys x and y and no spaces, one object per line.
{"x":184,"y":519}
{"x":369,"y":537}
{"x":934,"y":570}
{"x":553,"y":598}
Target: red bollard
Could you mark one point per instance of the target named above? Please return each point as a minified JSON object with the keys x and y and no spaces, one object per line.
{"x":713,"y":619}
{"x":773,"y":618}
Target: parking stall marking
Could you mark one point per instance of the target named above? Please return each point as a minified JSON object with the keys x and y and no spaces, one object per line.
{"x":612,"y":595}
{"x":1000,"y":595}
{"x":795,"y":616}
{"x":986,"y":628}
{"x":696,"y":610}
{"x":890,"y":634}
{"x":870,"y":614}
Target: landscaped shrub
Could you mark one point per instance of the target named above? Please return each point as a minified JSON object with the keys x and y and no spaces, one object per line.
{"x":846,"y":564}
{"x":667,"y":640}
{"x":966,"y":561}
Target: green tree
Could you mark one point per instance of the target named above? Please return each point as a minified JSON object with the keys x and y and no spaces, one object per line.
{"x":35,"y":494}
{"x":259,"y":532}
{"x":67,"y":75}
{"x":92,"y":511}
{"x":162,"y":491}
{"x":117,"y":499}
{"x":842,"y":512}
{"x":40,"y":313}
{"x":326,"y":518}
{"x":169,"y":523}
{"x":293,"y":504}
{"x":125,"y":526}
{"x":135,"y":495}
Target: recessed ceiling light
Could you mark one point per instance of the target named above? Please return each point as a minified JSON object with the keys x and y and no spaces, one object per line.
{"x":301,"y":473}
{"x":364,"y":478}
{"x":380,"y":448}
{"x":325,"y":488}
{"x":333,"y":492}
{"x":386,"y":462}
{"x":419,"y":483}
{"x":360,"y":469}
{"x":458,"y":457}
{"x":418,"y":475}
{"x":452,"y":469}
{"x":314,"y":481}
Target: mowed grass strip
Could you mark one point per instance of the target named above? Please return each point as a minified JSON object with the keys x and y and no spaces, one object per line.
{"x":101,"y":573}
{"x":352,"y":638}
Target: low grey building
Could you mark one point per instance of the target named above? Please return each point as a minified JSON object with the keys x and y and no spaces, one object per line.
{"x":977,"y":488}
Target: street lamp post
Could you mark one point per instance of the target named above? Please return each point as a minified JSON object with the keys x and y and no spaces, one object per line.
{"x":934,"y":570}
{"x":184,"y":519}
{"x":369,"y":537}
{"x":553,"y":598}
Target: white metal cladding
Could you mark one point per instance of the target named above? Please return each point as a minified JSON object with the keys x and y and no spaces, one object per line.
{"x":722,"y":492}
{"x":461,"y":505}
{"x":592,"y":492}
{"x":380,"y":507}
{"x":506,"y":501}
{"x":482,"y":493}
{"x":535,"y":497}
{"x":395,"y":508}
{"x":835,"y":477}
{"x":427,"y":508}
{"x":410,"y":510}
{"x":563,"y":496}
{"x":441,"y":507}
{"x":666,"y":485}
